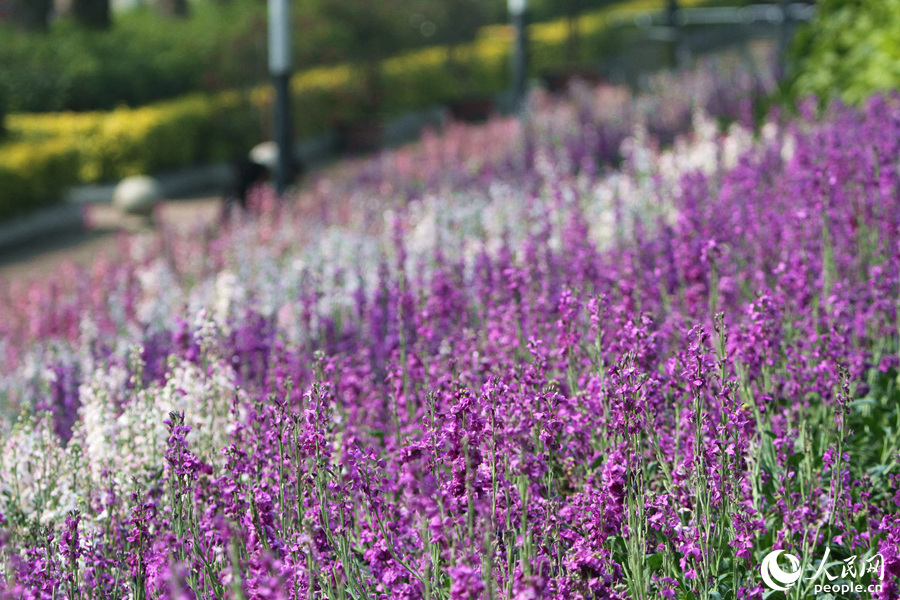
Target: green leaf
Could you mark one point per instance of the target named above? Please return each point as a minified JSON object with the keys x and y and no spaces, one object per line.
{"x":879,"y":470}
{"x":867,"y":401}
{"x":796,"y":459}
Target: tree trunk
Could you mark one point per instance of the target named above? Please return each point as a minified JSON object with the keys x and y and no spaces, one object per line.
{"x":172,"y":8}
{"x":92,"y":13}
{"x":30,"y":15}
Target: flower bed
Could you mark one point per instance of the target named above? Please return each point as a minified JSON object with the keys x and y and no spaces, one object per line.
{"x":467,"y":371}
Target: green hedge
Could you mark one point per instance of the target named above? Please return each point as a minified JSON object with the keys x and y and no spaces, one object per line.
{"x":47,"y":152}
{"x":33,"y":174}
{"x":850,"y":50}
{"x":146,"y":57}
{"x":115,"y":144}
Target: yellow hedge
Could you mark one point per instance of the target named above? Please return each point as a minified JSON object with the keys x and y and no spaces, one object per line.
{"x":33,"y":174}
{"x":53,"y":125}
{"x":115,"y":144}
{"x":48,"y":152}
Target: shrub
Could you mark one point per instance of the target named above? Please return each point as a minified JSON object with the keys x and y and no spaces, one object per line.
{"x":130,"y":142}
{"x":849,"y":50}
{"x":51,"y":152}
{"x":75,"y":72}
{"x":33,"y":174}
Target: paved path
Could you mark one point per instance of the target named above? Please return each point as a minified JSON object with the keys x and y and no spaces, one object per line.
{"x":41,"y":257}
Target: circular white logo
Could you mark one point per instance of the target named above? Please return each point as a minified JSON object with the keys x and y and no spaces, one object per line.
{"x":772,"y":574}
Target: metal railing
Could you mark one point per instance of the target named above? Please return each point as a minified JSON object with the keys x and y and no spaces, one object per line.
{"x":667,"y":25}
{"x":756,"y":13}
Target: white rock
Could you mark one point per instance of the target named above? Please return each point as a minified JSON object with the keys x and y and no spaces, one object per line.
{"x":137,"y":195}
{"x":265,"y":154}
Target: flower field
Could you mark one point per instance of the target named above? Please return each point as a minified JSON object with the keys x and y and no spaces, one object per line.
{"x":620,"y":349}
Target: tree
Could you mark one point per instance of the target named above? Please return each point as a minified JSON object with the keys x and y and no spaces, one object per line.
{"x":92,"y":13}
{"x":172,"y":8}
{"x":30,"y":15}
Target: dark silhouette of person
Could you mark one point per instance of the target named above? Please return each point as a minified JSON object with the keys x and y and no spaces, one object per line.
{"x":248,"y":174}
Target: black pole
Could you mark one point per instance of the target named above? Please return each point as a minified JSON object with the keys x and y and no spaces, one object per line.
{"x":677,"y":49}
{"x":284,"y":172}
{"x":671,"y":12}
{"x":280,"y":69}
{"x":520,"y":55}
{"x":784,"y":39}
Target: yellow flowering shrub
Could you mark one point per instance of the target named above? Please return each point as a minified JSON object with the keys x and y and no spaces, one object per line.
{"x":33,"y":174}
{"x":53,"y":125}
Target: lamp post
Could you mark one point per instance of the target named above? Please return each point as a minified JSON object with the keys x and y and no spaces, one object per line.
{"x":518,"y":14}
{"x":677,"y":48}
{"x":671,"y":13}
{"x":784,"y":37}
{"x":280,"y":70}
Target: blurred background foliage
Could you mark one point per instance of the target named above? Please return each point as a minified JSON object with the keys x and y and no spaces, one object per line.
{"x":148,"y":53}
{"x":850,"y":50}
{"x":71,"y":59}
{"x":198,"y":67}
{"x":90,"y":102}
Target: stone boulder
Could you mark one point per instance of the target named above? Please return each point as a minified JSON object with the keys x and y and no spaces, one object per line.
{"x":137,"y":195}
